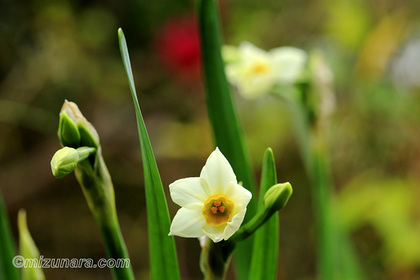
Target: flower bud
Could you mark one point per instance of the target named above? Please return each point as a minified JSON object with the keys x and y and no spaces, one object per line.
{"x":66,"y":159}
{"x":88,"y":135}
{"x":274,"y":199}
{"x":68,"y":132}
{"x":75,"y":130}
{"x":277,"y":196}
{"x":64,"y":162}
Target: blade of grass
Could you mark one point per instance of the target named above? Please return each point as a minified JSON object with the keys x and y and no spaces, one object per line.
{"x":223,"y":118}
{"x":163,"y":260}
{"x":266,"y":239}
{"x":7,"y":249}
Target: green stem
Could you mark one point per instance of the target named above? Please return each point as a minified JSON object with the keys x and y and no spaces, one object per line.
{"x":115,"y":248}
{"x":99,"y":193}
{"x":249,"y":228}
{"x":85,"y":152}
{"x":312,"y":147}
{"x":322,"y":198}
{"x":215,"y":259}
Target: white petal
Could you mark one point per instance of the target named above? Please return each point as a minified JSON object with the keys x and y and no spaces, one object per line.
{"x":234,"y":225}
{"x":289,"y":63}
{"x":257,"y":85}
{"x":187,"y":223}
{"x":214,"y":233}
{"x":248,"y":52}
{"x":238,"y":195}
{"x":217,"y":172}
{"x":224,"y":232}
{"x":242,"y":74}
{"x":189,"y":193}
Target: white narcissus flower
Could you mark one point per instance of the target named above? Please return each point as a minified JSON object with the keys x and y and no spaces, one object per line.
{"x":256,"y":72}
{"x":213,"y":204}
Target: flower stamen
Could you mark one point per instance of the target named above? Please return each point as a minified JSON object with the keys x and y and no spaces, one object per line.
{"x":217,"y":210}
{"x":260,"y":68}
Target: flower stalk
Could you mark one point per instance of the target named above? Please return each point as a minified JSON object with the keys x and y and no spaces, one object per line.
{"x":215,"y":259}
{"x":84,"y":156}
{"x":311,"y":106}
{"x":274,"y":199}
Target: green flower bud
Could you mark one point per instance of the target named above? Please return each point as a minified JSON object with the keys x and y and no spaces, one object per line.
{"x":274,"y":199}
{"x":87,"y":138}
{"x":68,"y":132}
{"x":64,"y":162}
{"x":73,"y":120}
{"x":277,"y":196}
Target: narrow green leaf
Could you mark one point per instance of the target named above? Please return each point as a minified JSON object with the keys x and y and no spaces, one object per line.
{"x":266,"y":239}
{"x":28,"y":250}
{"x":163,"y":260}
{"x":7,"y":249}
{"x":268,"y":174}
{"x":226,"y":129}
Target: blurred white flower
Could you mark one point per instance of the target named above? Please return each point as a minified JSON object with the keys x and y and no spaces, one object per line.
{"x":255,"y":72}
{"x":405,"y":68}
{"x":213,"y":204}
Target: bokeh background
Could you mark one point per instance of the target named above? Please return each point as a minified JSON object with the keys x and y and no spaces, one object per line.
{"x":63,"y":49}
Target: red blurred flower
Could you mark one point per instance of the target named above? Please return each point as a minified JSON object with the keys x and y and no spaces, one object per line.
{"x":178,"y":47}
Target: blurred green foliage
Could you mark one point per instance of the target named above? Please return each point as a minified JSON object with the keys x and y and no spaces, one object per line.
{"x":56,"y":50}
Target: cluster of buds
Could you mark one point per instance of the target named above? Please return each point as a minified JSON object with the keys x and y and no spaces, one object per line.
{"x":81,"y":153}
{"x":78,"y":138}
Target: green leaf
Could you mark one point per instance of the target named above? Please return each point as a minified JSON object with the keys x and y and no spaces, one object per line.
{"x":266,"y":238}
{"x":223,"y":118}
{"x":163,"y":260}
{"x":28,"y":250}
{"x":7,"y":249}
{"x":226,"y":128}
